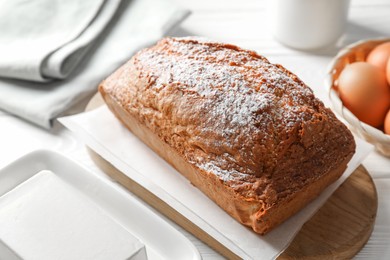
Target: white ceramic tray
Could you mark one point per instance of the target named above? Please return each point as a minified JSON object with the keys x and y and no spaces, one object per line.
{"x":161,"y":240}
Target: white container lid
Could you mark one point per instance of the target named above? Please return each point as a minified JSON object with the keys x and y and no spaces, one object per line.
{"x":46,"y":218}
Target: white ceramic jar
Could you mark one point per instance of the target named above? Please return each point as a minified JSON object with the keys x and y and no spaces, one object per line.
{"x":308,"y":24}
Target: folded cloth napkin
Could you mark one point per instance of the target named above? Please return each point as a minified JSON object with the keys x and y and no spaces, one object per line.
{"x":55,"y":36}
{"x":45,"y":39}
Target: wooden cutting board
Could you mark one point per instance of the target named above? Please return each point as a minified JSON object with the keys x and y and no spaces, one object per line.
{"x":338,"y":230}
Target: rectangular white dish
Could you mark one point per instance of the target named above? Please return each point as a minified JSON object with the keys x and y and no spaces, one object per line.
{"x":161,"y":240}
{"x":46,"y":218}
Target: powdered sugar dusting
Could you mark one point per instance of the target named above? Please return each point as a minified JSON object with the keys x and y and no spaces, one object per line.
{"x":224,"y":175}
{"x":230,"y":100}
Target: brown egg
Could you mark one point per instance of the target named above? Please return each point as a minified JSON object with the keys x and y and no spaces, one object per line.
{"x":387,"y":123}
{"x":388,"y":71}
{"x":364,"y":91}
{"x":379,"y":55}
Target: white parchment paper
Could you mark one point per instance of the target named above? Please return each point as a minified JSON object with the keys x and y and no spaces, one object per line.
{"x":102,"y":132}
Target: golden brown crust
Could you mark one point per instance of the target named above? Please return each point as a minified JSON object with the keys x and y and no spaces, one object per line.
{"x":248,"y":133}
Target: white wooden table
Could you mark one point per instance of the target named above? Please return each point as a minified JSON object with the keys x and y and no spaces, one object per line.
{"x":243,"y":23}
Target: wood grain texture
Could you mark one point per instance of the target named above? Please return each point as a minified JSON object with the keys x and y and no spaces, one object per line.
{"x":337,"y":231}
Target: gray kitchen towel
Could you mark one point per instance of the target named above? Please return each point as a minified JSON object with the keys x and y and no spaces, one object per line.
{"x":129,"y":26}
{"x":45,"y":39}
